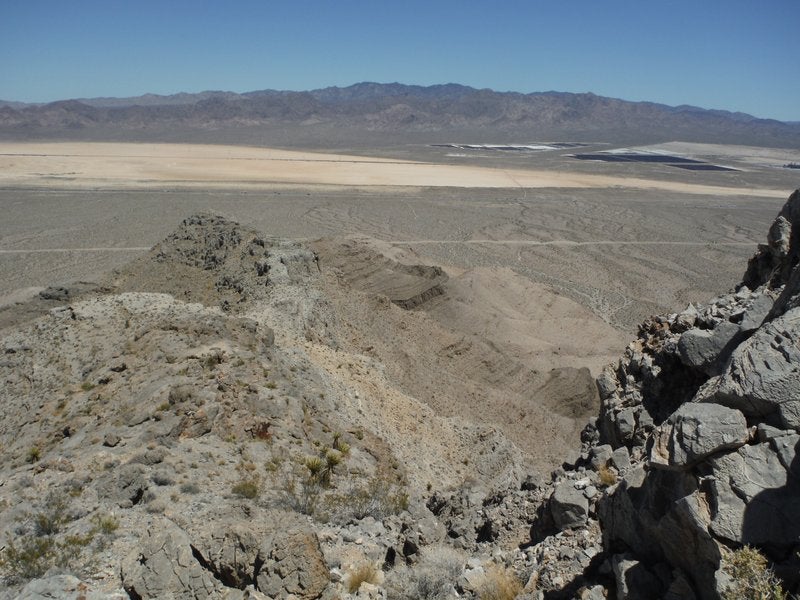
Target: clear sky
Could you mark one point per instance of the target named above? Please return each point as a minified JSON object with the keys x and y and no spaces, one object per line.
{"x":741,"y":55}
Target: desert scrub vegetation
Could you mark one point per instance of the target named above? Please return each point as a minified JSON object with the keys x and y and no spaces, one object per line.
{"x":310,"y":489}
{"x":378,"y":497}
{"x":751,"y":577}
{"x":42,"y":542}
{"x":247,"y":488}
{"x":33,"y":454}
{"x":432,"y":578}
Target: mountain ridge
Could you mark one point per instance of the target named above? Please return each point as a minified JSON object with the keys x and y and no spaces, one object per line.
{"x":400,"y":107}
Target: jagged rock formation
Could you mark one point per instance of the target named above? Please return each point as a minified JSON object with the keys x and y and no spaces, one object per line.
{"x":707,"y":403}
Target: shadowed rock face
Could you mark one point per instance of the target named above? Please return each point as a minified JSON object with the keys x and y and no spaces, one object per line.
{"x":719,"y":470}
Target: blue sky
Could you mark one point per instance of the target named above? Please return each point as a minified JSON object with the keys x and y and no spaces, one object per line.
{"x":739,"y":55}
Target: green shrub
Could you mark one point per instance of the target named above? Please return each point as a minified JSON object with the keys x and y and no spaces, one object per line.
{"x":34,"y":454}
{"x":106,"y":524}
{"x":378,"y":497}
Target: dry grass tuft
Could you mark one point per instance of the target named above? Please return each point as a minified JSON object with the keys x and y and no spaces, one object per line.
{"x":500,"y":583}
{"x":363,"y":573}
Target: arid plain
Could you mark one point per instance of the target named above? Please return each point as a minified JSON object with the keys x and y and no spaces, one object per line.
{"x":624,"y":240}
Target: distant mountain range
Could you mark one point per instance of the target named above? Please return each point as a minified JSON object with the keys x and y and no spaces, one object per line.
{"x":396,"y":107}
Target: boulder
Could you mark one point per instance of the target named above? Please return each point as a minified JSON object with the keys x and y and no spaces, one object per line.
{"x":163,"y":565}
{"x":293,"y":564}
{"x":694,"y":432}
{"x":634,"y":580}
{"x":755,"y":498}
{"x":65,"y":587}
{"x":568,"y":506}
{"x":707,"y":350}
{"x":756,"y":313}
{"x":763,"y":373}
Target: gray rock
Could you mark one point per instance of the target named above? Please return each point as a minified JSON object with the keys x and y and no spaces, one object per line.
{"x":634,"y":580}
{"x":111,"y":440}
{"x":606,"y":383}
{"x":707,"y":350}
{"x":766,"y":432}
{"x":126,"y":486}
{"x":787,"y":448}
{"x":756,"y":313}
{"x":601,"y":455}
{"x":65,"y":587}
{"x":789,"y":414}
{"x":680,"y":588}
{"x":626,"y":424}
{"x":293,"y":564}
{"x":596,"y":592}
{"x":621,"y":459}
{"x":163,"y":566}
{"x":756,"y":499}
{"x":763,"y":373}
{"x":696,"y":431}
{"x":568,"y":506}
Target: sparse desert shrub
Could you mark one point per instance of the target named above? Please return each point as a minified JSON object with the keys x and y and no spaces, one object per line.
{"x":190,"y":488}
{"x":499,"y":583}
{"x":52,"y":518}
{"x":302,"y":494}
{"x":106,"y":524}
{"x":751,"y":577}
{"x":433,"y":578}
{"x":248,"y":488}
{"x":27,"y":557}
{"x":33,"y":455}
{"x":363,"y":573}
{"x":379,"y":497}
{"x":41,"y":545}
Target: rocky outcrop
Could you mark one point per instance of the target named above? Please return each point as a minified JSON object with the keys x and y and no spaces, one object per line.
{"x":707,"y":404}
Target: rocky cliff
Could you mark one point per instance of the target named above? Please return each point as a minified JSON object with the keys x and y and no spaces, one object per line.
{"x":706,"y":403}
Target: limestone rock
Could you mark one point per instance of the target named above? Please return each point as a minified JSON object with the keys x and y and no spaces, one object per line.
{"x":65,"y":587}
{"x":754,"y":316}
{"x":568,"y":506}
{"x":763,"y":373}
{"x":293,"y":564}
{"x":163,"y":566}
{"x":756,"y":498}
{"x":707,"y":350}
{"x":696,"y":431}
{"x":774,"y":261}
